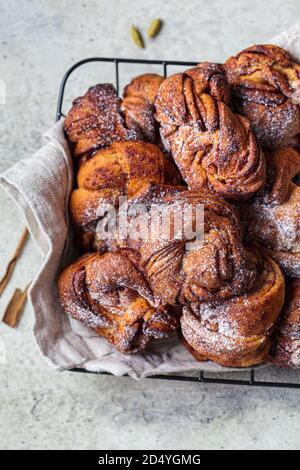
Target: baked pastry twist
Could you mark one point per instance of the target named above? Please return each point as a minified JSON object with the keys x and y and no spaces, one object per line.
{"x":214,"y":148}
{"x":285,"y":351}
{"x":236,"y":332}
{"x":121,"y":169}
{"x":95,"y":121}
{"x":144,"y":86}
{"x":109,"y":294}
{"x":100,"y":118}
{"x":137,"y":104}
{"x":178,"y":273}
{"x":273,"y":218}
{"x":266,"y":87}
{"x":231,"y":294}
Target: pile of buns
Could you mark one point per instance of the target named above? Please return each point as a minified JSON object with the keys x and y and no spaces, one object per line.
{"x":222,"y":136}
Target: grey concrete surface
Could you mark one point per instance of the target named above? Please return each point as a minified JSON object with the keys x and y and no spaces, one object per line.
{"x":41,"y":408}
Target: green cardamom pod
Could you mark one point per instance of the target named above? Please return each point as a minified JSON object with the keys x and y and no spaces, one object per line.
{"x":137,"y":37}
{"x":154,"y":28}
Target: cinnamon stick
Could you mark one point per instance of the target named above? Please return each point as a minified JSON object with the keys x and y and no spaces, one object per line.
{"x":15,"y":307}
{"x":11,"y":265}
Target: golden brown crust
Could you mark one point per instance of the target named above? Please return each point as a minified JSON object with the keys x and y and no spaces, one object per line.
{"x":285,"y":351}
{"x":124,"y":165}
{"x":283,"y":165}
{"x":144,"y":86}
{"x":190,"y":98}
{"x":84,"y":203}
{"x":178,"y":273}
{"x":138,"y":112}
{"x":266,"y":88}
{"x":172,"y":174}
{"x":109,"y":294}
{"x":236,"y":332}
{"x":122,"y":169}
{"x":214,"y":148}
{"x":272,"y":219}
{"x":95,"y":121}
{"x":192,"y":351}
{"x":137,"y":104}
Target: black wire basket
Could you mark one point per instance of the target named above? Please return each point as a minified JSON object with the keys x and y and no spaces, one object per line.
{"x":251,"y":377}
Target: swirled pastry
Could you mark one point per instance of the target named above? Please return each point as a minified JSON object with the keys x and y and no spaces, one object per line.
{"x":214,"y":148}
{"x":178,"y":272}
{"x":190,"y":98}
{"x":95,"y":121}
{"x":121,"y":169}
{"x":273,"y":219}
{"x":236,"y":332}
{"x":144,"y":86}
{"x":110,"y":295}
{"x":137,"y":104}
{"x":266,"y":87}
{"x":285,"y":351}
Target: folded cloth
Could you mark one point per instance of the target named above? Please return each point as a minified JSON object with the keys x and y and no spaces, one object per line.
{"x":41,"y":186}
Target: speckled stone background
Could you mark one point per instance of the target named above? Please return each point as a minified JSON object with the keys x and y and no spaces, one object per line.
{"x":41,"y":408}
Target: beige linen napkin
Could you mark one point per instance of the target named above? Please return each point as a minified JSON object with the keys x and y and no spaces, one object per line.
{"x":40,"y":186}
